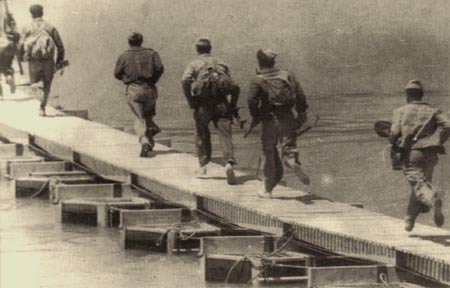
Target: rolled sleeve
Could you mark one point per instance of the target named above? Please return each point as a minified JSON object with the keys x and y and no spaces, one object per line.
{"x":189,"y":74}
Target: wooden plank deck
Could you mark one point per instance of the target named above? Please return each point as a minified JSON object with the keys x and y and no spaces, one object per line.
{"x":335,"y":226}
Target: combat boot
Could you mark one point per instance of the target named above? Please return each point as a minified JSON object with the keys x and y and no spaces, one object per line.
{"x":437,"y":212}
{"x":231,"y":178}
{"x":146,"y":148}
{"x":409,"y":223}
{"x":42,"y":111}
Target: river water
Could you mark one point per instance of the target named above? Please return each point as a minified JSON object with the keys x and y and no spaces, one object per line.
{"x":352,"y":60}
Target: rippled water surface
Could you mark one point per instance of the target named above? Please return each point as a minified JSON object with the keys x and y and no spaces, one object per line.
{"x":352,"y":60}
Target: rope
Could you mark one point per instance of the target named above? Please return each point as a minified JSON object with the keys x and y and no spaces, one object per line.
{"x":244,"y":258}
{"x":383,"y":279}
{"x":41,"y":189}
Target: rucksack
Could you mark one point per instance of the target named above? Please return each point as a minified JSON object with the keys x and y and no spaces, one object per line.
{"x":40,"y":44}
{"x":279,"y":88}
{"x":212,"y":81}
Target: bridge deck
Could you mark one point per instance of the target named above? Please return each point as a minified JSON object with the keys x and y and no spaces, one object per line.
{"x":335,"y":226}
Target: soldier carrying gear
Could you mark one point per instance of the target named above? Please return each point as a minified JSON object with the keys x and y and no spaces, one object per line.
{"x":273,"y":95}
{"x":206,"y":84}
{"x":140,"y":69}
{"x":419,"y":131}
{"x":40,"y":40}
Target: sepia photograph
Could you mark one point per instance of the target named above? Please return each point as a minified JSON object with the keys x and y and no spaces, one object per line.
{"x":224,"y":143}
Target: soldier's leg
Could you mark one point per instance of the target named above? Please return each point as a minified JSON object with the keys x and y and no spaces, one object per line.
{"x":428,"y":194}
{"x":415,"y":170}
{"x":223,"y":126}
{"x":273,"y":168}
{"x":202,"y":118}
{"x":136,"y":98}
{"x":149,"y":111}
{"x":289,"y":150}
{"x":48,"y":70}
{"x":9,"y":75}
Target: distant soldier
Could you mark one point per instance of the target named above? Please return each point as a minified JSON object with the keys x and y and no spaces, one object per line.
{"x":7,"y":52}
{"x":273,"y":95}
{"x":206,"y":84}
{"x":9,"y":39}
{"x":419,"y":131}
{"x":39,"y":42}
{"x":139,"y":69}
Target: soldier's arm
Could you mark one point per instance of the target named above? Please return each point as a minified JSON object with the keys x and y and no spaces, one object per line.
{"x":186,"y":83}
{"x":395,"y":128}
{"x":119,"y":70}
{"x":443,"y":121}
{"x":253,"y":99}
{"x":159,"y":67}
{"x":235,"y":90}
{"x":300,"y":104}
{"x":59,"y":46}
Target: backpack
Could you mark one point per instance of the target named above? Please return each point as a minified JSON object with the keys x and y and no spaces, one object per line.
{"x":40,"y":44}
{"x":279,"y":88}
{"x":212,"y":81}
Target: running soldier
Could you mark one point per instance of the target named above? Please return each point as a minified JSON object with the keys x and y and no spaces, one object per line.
{"x":139,"y":69}
{"x":39,"y":42}
{"x":419,"y":131}
{"x":206,"y":84}
{"x":273,"y":95}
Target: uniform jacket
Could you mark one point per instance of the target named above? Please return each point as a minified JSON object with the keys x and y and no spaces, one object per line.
{"x":258,"y":101}
{"x":409,"y":119}
{"x":51,"y":30}
{"x":139,"y":65}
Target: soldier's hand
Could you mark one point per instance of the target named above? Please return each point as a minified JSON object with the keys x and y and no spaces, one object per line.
{"x":302,"y":118}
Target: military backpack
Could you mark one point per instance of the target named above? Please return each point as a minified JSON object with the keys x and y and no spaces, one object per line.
{"x":212,"y":80}
{"x":279,"y":88}
{"x":40,"y":44}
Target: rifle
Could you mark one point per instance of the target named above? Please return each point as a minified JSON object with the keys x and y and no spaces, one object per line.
{"x":11,"y":23}
{"x":307,"y":128}
{"x":252,"y":126}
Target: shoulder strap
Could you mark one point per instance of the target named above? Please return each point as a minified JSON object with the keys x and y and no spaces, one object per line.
{"x":420,"y":131}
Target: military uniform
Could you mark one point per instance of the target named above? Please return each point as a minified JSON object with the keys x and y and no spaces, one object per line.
{"x":43,"y":69}
{"x":207,"y":109}
{"x":419,"y":120}
{"x":7,"y":52}
{"x":279,"y":125}
{"x":140,"y":69}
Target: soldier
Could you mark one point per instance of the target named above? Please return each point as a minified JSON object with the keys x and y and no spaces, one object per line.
{"x":419,"y":131}
{"x":273,"y":94}
{"x":139,"y":69}
{"x":7,"y":52}
{"x":39,"y":42}
{"x":9,"y":39}
{"x":206,"y":84}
